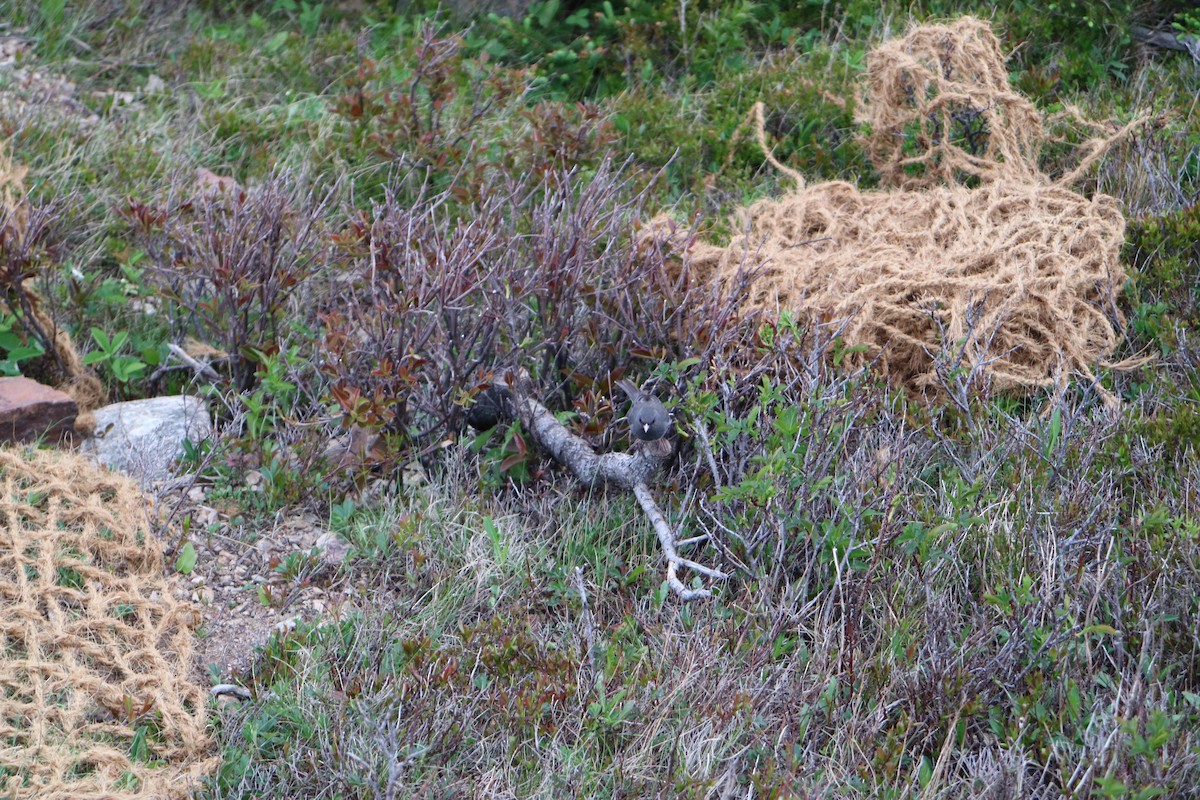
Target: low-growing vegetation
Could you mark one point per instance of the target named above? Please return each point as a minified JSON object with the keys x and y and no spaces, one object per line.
{"x":356,"y":217}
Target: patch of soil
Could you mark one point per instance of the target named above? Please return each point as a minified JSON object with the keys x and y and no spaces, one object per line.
{"x":251,"y":581}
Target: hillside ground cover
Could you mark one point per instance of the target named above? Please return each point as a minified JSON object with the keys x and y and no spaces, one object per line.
{"x":359,"y":214}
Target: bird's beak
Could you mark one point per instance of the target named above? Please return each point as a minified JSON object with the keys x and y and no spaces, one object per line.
{"x":645,"y":427}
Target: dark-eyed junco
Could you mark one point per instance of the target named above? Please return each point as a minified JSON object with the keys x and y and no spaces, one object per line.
{"x":648,"y":418}
{"x":490,"y":406}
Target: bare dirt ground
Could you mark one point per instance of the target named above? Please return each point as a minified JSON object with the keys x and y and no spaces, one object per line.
{"x":251,"y":582}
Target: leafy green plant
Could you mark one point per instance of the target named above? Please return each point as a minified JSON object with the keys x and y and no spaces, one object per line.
{"x":341,"y":515}
{"x":124,"y":368}
{"x":297,"y":567}
{"x":1187,"y":22}
{"x":274,"y":399}
{"x":16,"y":348}
{"x":307,"y":15}
{"x":185,"y":562}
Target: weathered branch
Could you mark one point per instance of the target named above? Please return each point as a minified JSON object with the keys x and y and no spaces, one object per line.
{"x":666,"y":538}
{"x":625,"y":470}
{"x":629,"y":471}
{"x":1171,"y":41}
{"x":201,"y":369}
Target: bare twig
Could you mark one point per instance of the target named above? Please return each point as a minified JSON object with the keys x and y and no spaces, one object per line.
{"x":202,"y":370}
{"x":666,"y":538}
{"x":589,"y":624}
{"x":1171,"y":41}
{"x":240,"y":692}
{"x":706,"y":447}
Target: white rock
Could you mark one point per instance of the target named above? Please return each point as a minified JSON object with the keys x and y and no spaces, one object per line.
{"x":143,"y":438}
{"x":333,"y":548}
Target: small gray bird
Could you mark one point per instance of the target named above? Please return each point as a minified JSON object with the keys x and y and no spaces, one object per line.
{"x":648,"y":418}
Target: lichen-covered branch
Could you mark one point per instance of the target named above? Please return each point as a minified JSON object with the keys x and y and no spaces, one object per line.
{"x":630,"y":471}
{"x":666,"y":538}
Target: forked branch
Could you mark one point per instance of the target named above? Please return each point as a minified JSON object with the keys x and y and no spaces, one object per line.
{"x":629,"y":471}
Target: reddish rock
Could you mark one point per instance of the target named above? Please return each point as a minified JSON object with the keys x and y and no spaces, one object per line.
{"x":30,"y":411}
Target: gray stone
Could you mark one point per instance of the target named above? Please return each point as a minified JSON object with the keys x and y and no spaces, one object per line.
{"x":30,"y":411}
{"x":333,"y":549}
{"x":143,"y":438}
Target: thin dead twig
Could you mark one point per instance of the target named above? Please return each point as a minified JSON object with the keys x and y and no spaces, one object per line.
{"x":589,"y":623}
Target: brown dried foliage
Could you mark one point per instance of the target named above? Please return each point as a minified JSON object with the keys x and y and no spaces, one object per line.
{"x":541,"y":273}
{"x":234,"y":263}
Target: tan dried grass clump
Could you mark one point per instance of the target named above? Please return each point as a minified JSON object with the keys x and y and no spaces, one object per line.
{"x":971,"y":256}
{"x":93,"y":646}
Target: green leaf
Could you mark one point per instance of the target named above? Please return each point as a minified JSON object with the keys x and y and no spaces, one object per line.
{"x":186,"y":561}
{"x":95,"y":357}
{"x":125,"y":367}
{"x":275,"y":43}
{"x":546,"y":16}
{"x":1055,"y":431}
{"x":24,"y":352}
{"x":1107,"y":630}
{"x":101,"y":339}
{"x":925,"y":772}
{"x":138,"y":749}
{"x":1111,"y":787}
